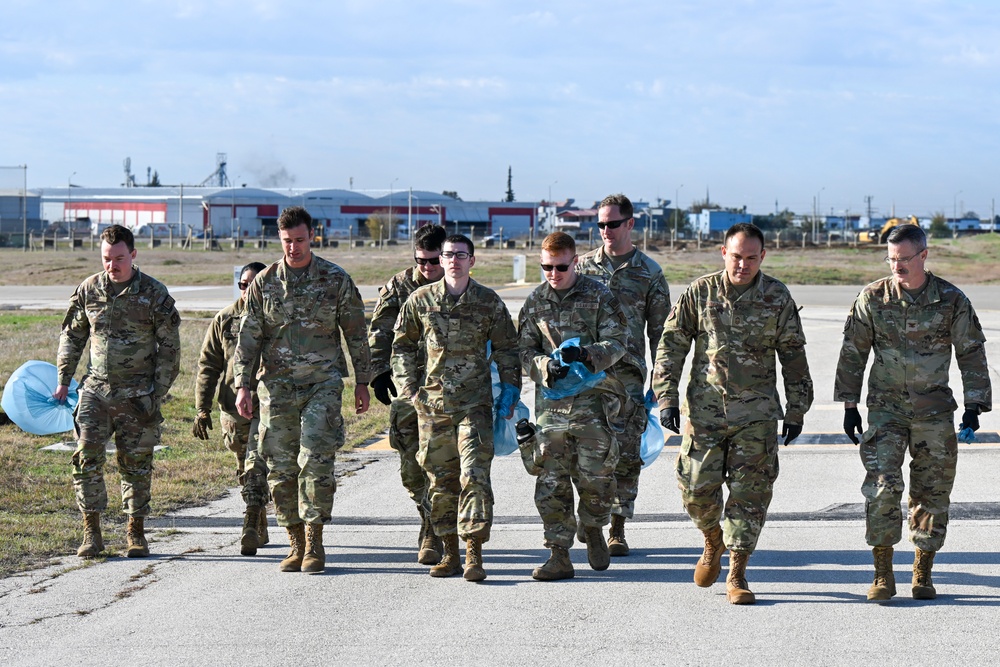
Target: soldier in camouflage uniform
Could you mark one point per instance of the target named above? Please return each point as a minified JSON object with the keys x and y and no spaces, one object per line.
{"x":911,"y":321}
{"x":642,"y":291}
{"x":215,"y":370}
{"x":577,"y":439}
{"x":296,"y":310}
{"x":450,"y":323}
{"x":132,"y":326}
{"x":739,"y":319}
{"x":403,"y":432}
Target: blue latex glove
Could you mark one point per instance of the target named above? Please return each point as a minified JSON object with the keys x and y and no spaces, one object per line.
{"x":509,"y":396}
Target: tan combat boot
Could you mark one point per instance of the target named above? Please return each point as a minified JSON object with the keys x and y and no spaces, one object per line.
{"x":617,"y":546}
{"x":297,"y":542}
{"x":136,"y":545}
{"x":262,"y":536}
{"x":249,"y":540}
{"x":315,"y":557}
{"x":93,"y":542}
{"x":597,"y":548}
{"x":430,"y":544}
{"x":557,"y":567}
{"x":708,"y":567}
{"x":450,"y":564}
{"x":923,"y":587}
{"x":474,"y":560}
{"x":884,"y":585}
{"x":737,"y":589}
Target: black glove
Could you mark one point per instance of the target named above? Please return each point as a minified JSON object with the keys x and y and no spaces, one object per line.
{"x":574,"y":353}
{"x":852,"y":424}
{"x":970,"y":418}
{"x":556,"y":371}
{"x":382,"y":386}
{"x":790,"y":431}
{"x":202,"y":425}
{"x":670,"y":419}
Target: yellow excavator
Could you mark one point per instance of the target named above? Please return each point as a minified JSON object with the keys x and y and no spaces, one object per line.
{"x":880,"y":235}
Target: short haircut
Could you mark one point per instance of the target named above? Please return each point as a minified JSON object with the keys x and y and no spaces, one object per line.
{"x":461,"y":238}
{"x":430,"y":238}
{"x":559,"y":241}
{"x":907,"y":232}
{"x":256,"y":267}
{"x":118,"y":234}
{"x":747,"y":228}
{"x":293,"y":216}
{"x":619,"y":200}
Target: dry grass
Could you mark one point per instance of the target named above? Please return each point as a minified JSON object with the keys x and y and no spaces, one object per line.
{"x":967,"y":260}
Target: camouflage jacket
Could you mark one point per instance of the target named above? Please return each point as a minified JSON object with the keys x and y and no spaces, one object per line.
{"x":588,"y":310}
{"x":733,"y":377}
{"x":135,"y":346}
{"x":454,"y":335}
{"x":912,"y":341}
{"x":215,"y":363}
{"x":644,"y":297}
{"x":381,"y":331}
{"x":294,"y":324}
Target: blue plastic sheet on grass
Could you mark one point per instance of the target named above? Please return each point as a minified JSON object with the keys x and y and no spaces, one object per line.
{"x":27,"y":399}
{"x":578,"y":380}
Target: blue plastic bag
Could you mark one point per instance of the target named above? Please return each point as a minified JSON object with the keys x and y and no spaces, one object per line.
{"x":27,"y":399}
{"x":652,"y":437}
{"x":505,"y":395}
{"x":967,"y":435}
{"x":578,"y":380}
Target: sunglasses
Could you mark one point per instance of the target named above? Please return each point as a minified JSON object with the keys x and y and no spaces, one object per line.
{"x":433,"y":261}
{"x":613,"y":224}
{"x":243,"y":284}
{"x":561,"y":268}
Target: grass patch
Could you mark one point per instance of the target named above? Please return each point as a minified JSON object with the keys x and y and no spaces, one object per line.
{"x":39,"y":519}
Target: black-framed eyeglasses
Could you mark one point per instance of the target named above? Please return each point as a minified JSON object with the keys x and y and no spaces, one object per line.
{"x":561,"y":268}
{"x":448,"y":254}
{"x":613,"y":224}
{"x":243,"y":284}
{"x":899,"y":260}
{"x":433,"y":261}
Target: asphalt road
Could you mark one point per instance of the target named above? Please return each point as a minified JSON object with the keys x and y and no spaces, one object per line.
{"x":197,"y":601}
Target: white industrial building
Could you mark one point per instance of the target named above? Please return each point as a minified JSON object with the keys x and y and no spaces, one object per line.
{"x":249,"y":212}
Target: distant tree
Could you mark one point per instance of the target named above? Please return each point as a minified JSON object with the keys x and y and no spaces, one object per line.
{"x":774,"y":221}
{"x":380,"y":225}
{"x":510,"y":188}
{"x":452,"y":193}
{"x":704,"y":205}
{"x":154,"y":182}
{"x":939,"y":226}
{"x":970,"y":215}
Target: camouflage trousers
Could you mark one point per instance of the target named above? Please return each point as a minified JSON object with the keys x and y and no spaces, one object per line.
{"x":573,"y":449}
{"x":404,"y":437}
{"x":240,"y":436}
{"x":301,"y":429}
{"x":629,"y":459}
{"x":456,"y":452}
{"x":933,"y":447}
{"x":135,"y":423}
{"x":745,"y":459}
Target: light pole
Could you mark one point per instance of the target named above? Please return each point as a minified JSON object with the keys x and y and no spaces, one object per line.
{"x":954,"y":206}
{"x":677,"y":203}
{"x":69,"y":199}
{"x":550,"y":190}
{"x":816,"y":209}
{"x":389,"y":226}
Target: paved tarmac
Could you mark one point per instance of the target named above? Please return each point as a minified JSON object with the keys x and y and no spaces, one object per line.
{"x":197,"y":601}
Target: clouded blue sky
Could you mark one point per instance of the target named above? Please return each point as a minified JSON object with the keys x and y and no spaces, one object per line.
{"x":757,"y":101}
